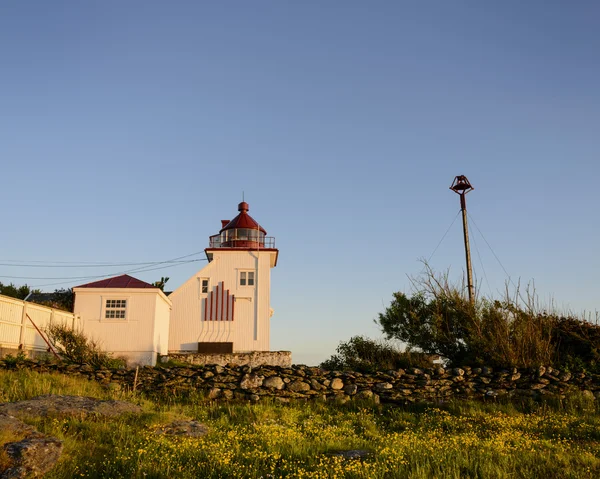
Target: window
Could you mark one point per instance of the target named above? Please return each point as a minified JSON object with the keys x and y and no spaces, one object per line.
{"x":204,"y":286}
{"x":115,"y":309}
{"x":246,"y":278}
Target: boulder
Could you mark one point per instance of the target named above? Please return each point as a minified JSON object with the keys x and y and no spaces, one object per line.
{"x":298,"y":386}
{"x":73,"y":406}
{"x":251,"y":381}
{"x":336,"y":383}
{"x":183,"y":428}
{"x":33,"y":455}
{"x":273,"y":382}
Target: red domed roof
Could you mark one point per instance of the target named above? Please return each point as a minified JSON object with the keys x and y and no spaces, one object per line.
{"x":243,"y":220}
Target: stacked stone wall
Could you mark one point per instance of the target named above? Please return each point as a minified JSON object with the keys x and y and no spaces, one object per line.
{"x":303,"y":382}
{"x":253,"y":359}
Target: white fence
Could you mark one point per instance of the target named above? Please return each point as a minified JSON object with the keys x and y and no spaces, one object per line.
{"x":18,"y":321}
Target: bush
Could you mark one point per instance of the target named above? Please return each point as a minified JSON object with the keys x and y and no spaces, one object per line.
{"x":74,"y":347}
{"x":577,"y":343}
{"x":13,"y":361}
{"x":367,"y":355}
{"x":439,"y":319}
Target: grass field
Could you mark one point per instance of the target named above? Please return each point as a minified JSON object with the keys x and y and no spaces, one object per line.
{"x":299,"y":440}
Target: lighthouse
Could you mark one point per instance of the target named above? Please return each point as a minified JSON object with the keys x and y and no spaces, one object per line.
{"x":225,"y":307}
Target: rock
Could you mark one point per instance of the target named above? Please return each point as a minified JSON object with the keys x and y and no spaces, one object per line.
{"x":77,"y":406}
{"x":564,"y":376}
{"x":32,"y":457}
{"x":458,"y":372}
{"x":316,"y":385}
{"x":14,"y":426}
{"x":351,"y":389}
{"x":184,"y":428}
{"x":227,"y":394}
{"x":214,"y":393}
{"x":339,"y":398}
{"x":353,"y":454}
{"x":337,"y":383}
{"x":273,"y":382}
{"x":383,"y":386}
{"x":298,"y":386}
{"x":251,"y":381}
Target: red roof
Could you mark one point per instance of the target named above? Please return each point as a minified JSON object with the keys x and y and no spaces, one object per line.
{"x":243,"y":220}
{"x":123,"y":281}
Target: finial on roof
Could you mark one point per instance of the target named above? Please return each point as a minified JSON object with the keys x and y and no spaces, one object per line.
{"x":243,"y":206}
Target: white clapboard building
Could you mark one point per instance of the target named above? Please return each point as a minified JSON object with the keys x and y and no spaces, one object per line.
{"x":223,"y":308}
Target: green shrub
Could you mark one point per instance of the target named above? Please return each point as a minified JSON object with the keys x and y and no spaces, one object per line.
{"x":367,"y":355}
{"x":13,"y":361}
{"x":74,"y":347}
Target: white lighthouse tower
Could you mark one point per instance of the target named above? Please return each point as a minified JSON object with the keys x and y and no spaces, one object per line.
{"x":225,"y":307}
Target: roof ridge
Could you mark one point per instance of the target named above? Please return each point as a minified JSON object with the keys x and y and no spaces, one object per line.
{"x":121,"y":281}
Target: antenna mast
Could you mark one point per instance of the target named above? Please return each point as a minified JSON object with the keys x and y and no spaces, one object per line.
{"x":461,"y":186}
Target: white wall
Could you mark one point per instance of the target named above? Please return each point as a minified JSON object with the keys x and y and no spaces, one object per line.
{"x":138,"y":337}
{"x":161,"y":324}
{"x":251,"y":326}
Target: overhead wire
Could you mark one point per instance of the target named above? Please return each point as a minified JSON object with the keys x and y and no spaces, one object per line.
{"x":146,"y":267}
{"x":81,"y":265}
{"x":497,"y":259}
{"x":99,"y":276}
{"x":481,"y":263}
{"x":109,"y":275}
{"x":444,"y":236}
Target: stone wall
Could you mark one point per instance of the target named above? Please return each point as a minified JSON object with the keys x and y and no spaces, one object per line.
{"x":302,"y":382}
{"x":253,"y":359}
{"x":29,"y":353}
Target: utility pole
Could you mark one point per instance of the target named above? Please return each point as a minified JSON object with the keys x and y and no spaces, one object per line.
{"x":461,"y":186}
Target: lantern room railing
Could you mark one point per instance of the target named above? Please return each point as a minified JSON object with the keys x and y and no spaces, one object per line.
{"x":217,"y":241}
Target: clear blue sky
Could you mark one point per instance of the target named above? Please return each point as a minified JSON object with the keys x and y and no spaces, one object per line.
{"x":128,"y":130}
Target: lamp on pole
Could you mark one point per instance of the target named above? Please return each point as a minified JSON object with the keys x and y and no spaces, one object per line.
{"x":461,"y":186}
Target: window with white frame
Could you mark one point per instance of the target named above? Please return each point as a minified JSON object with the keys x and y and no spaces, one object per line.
{"x":204,"y":286}
{"x":246,"y":278}
{"x":115,"y":308}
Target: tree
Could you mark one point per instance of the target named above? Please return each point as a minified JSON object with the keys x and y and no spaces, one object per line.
{"x":439,"y":319}
{"x":19,"y":292}
{"x":64,"y":299}
{"x":161,"y":284}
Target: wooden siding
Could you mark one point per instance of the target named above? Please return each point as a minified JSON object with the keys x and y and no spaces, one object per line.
{"x":249,"y":331}
{"x":142,"y":330}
